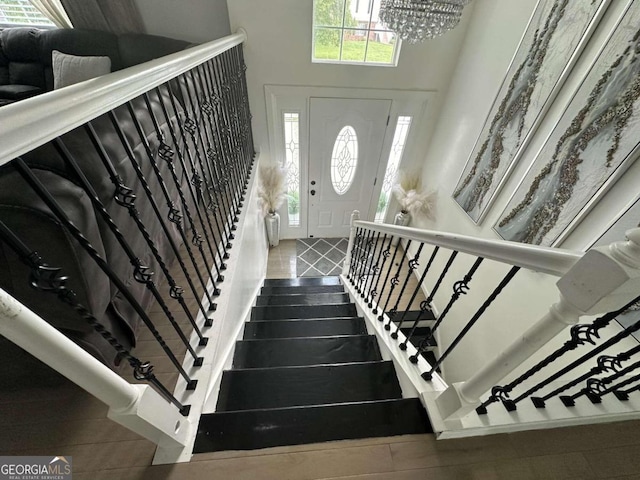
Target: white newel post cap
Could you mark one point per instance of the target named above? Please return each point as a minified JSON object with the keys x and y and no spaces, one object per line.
{"x":605,"y":278}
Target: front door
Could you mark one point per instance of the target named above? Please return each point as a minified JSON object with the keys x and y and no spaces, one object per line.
{"x":345,"y":145}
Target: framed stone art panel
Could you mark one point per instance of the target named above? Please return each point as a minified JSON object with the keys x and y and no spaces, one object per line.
{"x":626,"y":220}
{"x":593,"y":143}
{"x":555,"y":36}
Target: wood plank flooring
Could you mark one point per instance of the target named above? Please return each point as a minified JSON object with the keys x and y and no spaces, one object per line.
{"x":44,"y":414}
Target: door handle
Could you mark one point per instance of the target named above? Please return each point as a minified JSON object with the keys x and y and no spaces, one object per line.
{"x":312,"y":192}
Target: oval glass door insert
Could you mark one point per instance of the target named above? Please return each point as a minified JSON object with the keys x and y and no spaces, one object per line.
{"x":344,"y":160}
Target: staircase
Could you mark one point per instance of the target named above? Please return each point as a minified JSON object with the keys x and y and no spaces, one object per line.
{"x":306,"y":371}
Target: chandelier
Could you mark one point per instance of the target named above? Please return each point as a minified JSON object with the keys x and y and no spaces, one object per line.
{"x":416,"y":20}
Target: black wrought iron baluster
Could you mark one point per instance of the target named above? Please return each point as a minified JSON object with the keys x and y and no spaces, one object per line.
{"x":197,"y":238}
{"x":48,"y":199}
{"x":412,"y":265}
{"x":191,"y":125}
{"x":209,"y":203}
{"x":363,"y":260}
{"x":596,"y":388}
{"x":459,"y":288}
{"x":386,"y":253}
{"x":580,"y":334}
{"x":246,"y":109}
{"x":240,"y":99}
{"x":604,"y":364}
{"x":49,"y":279}
{"x":229,"y":168}
{"x":424,"y":306}
{"x":174,"y":217}
{"x":403,"y":345}
{"x":386,"y":280}
{"x":195,"y":182}
{"x":222,"y":180}
{"x":229,"y":104}
{"x":233,"y":82}
{"x":374,"y":267}
{"x":125,"y":197}
{"x":395,"y":281}
{"x":505,"y":281}
{"x":215,"y":155}
{"x":215,"y":184}
{"x":166,"y":153}
{"x":351,"y":276}
{"x":233,"y":66}
{"x":370,"y":254}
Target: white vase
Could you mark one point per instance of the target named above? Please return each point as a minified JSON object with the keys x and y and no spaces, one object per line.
{"x":402,"y":218}
{"x":272,"y":221}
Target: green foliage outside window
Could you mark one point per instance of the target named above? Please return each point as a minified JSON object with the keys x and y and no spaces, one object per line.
{"x":330,"y":13}
{"x":293,"y":201}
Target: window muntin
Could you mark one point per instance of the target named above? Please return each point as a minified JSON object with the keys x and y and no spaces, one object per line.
{"x":292,"y":165}
{"x":395,"y":156}
{"x":350,"y":31}
{"x":21,"y":13}
{"x":344,"y":160}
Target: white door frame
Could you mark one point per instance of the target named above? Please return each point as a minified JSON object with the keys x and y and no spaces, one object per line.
{"x":295,"y":99}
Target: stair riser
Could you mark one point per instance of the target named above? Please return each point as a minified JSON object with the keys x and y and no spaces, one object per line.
{"x":304,"y":328}
{"x":270,"y":428}
{"x":297,"y":386}
{"x":301,"y":281}
{"x":305,"y":351}
{"x":303,"y":289}
{"x":294,"y":312}
{"x":304,"y":299}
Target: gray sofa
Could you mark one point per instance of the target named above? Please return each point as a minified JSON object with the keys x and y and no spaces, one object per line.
{"x":23,"y":211}
{"x":25,"y":55}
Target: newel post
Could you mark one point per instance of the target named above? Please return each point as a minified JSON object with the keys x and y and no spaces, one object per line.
{"x":601,"y":281}
{"x":137,"y":407}
{"x":355,"y":216}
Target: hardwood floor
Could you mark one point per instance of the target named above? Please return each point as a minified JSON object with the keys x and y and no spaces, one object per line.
{"x":44,"y":414}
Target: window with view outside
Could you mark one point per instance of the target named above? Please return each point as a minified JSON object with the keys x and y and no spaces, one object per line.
{"x":395,"y":156}
{"x":21,"y":13}
{"x":292,"y":165}
{"x":349,"y":31}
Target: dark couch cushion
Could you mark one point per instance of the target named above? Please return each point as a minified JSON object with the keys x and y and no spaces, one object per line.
{"x":18,"y":92}
{"x":21,"y":44}
{"x":80,"y":42}
{"x":4,"y":68}
{"x":26,"y":74}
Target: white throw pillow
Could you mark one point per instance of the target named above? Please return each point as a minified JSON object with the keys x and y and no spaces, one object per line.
{"x":70,"y":69}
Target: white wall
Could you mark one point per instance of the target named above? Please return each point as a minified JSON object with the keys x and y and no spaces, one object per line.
{"x":494,"y":32}
{"x":195,"y":21}
{"x":278,"y":52}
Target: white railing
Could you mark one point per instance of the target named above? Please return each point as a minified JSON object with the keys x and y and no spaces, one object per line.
{"x":592,"y":283}
{"x":35,"y":121}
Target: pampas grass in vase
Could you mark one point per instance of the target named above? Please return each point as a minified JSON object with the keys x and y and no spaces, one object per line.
{"x":412,"y":198}
{"x":272,"y":189}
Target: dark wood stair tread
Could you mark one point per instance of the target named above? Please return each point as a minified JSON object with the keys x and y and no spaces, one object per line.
{"x":263,"y":329}
{"x":279,"y":387}
{"x":253,"y":429}
{"x":303,"y":311}
{"x":305,"y":351}
{"x":303,"y":299}
{"x":301,"y":281}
